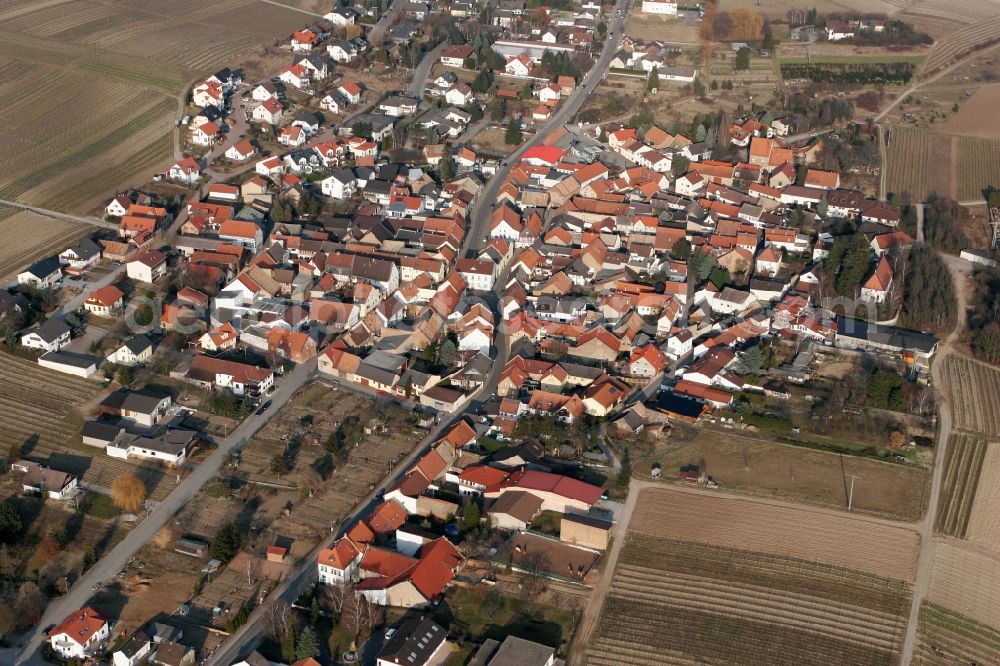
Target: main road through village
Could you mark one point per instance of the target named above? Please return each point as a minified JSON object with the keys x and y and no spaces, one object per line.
{"x":248,"y":635}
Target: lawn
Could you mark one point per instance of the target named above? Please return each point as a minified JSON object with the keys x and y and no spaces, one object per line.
{"x":474,"y":615}
{"x":99,"y":506}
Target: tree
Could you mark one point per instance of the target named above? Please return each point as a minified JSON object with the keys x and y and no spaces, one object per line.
{"x":512,"y":136}
{"x":29,"y":605}
{"x":279,"y":464}
{"x":602,"y":30}
{"x":307,"y":645}
{"x":11,"y":523}
{"x":653,"y":82}
{"x":745,"y":25}
{"x":743,"y":59}
{"x":8,"y":620}
{"x":498,"y":109}
{"x":448,"y":352}
{"x":361,"y":129}
{"x":288,"y":651}
{"x":679,"y":166}
{"x":447,"y":167}
{"x":124,"y":375}
{"x":89,"y":555}
{"x":681,"y":249}
{"x":14,"y":452}
{"x":482,"y":82}
{"x":277,"y":211}
{"x":128,"y":492}
{"x":471,"y":517}
{"x":227,"y":542}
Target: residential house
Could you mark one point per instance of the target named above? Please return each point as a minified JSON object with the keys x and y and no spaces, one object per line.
{"x":147,"y":266}
{"x":51,"y":336}
{"x":81,"y":635}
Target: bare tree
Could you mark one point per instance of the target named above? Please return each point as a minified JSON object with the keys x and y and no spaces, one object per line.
{"x":336,"y":594}
{"x":29,"y":604}
{"x":535,"y":565}
{"x":279,"y":616}
{"x":252,"y":569}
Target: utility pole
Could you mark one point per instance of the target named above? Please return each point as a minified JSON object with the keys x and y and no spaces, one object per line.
{"x":850,"y":494}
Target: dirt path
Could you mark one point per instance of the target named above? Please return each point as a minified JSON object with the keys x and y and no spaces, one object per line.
{"x":959,"y":270}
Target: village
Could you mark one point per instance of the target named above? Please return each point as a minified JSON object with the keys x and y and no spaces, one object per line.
{"x":372,"y":365}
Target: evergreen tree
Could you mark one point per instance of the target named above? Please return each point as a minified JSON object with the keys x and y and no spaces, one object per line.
{"x":472,"y":517}
{"x":653,"y":82}
{"x":288,"y":652}
{"x":448,"y":352}
{"x":512,"y":136}
{"x":699,"y":134}
{"x":307,"y":645}
{"x":226,"y":543}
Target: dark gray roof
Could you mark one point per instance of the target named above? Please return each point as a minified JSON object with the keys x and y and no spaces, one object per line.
{"x":44,"y":268}
{"x":85,"y":248}
{"x":135,"y":644}
{"x":138,"y":344}
{"x":103,"y":431}
{"x":514,"y":651}
{"x":413,"y":643}
{"x":889,"y":336}
{"x":72,"y":359}
{"x":52,"y":329}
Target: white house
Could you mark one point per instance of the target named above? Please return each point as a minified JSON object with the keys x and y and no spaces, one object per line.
{"x":238,"y":152}
{"x":43,"y":274}
{"x":51,"y":336}
{"x":147,"y":266}
{"x":519,"y":66}
{"x":80,"y":635}
{"x":133,"y":651}
{"x":132,"y":352}
{"x":342,"y":184}
{"x":663,"y":7}
{"x":170,"y":447}
{"x":81,"y":255}
{"x":268,"y":111}
{"x":479,"y":274}
{"x":187,"y":171}
{"x":40,"y":480}
{"x":338,"y":563}
{"x":459,"y":95}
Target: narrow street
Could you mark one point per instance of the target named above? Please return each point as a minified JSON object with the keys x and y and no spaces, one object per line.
{"x":112,"y":562}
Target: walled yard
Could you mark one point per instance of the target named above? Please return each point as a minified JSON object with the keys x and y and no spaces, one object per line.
{"x":721,"y":580}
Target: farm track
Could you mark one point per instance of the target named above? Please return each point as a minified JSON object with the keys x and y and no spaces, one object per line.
{"x":961,"y":478}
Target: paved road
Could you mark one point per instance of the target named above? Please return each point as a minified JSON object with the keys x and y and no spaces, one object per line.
{"x":959,"y":269}
{"x":423,"y":70}
{"x":112,"y":562}
{"x":480,"y":218}
{"x":305,"y":575}
{"x":374,"y":36}
{"x":93,"y":221}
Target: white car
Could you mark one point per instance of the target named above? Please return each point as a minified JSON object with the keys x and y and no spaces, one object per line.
{"x":390,"y":633}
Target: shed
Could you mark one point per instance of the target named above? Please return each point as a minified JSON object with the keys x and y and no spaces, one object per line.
{"x":585,"y":531}
{"x":192,"y":547}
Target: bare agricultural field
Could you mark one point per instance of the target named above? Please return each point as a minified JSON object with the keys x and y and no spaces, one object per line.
{"x":688,"y":596}
{"x":650,"y":27}
{"x":976,"y":385}
{"x":966,"y":580}
{"x":615,"y":96}
{"x":945,"y":637}
{"x":26,"y":234}
{"x":93,"y":87}
{"x":976,"y":116}
{"x":961,"y":478}
{"x":918,"y":162}
{"x":780,"y":471}
{"x":779,"y":8}
{"x":978,"y":166}
{"x":841,"y":540}
{"x":984,"y":520}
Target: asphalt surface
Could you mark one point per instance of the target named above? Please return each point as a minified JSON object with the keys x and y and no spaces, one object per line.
{"x":423,"y":70}
{"x":250,"y":634}
{"x":114,"y":561}
{"x":480,"y":221}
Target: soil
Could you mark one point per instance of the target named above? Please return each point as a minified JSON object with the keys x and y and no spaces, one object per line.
{"x":765,"y":469}
{"x":977,"y":116}
{"x":984,"y":521}
{"x":814,"y":535}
